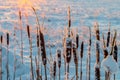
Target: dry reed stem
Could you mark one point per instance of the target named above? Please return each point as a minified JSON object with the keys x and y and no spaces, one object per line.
{"x":1,"y":41}
{"x":21,"y":35}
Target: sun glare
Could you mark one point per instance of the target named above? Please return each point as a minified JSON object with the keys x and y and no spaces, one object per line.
{"x":24,"y":3}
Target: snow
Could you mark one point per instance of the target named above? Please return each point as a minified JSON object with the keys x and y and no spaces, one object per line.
{"x":83,"y":14}
{"x":110,"y":65}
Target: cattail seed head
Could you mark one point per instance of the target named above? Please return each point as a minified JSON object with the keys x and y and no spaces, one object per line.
{"x":59,"y":57}
{"x":28,"y":31}
{"x":82,"y":49}
{"x":68,"y":49}
{"x":77,"y":41}
{"x":43,"y":51}
{"x":75,"y":54}
{"x":1,"y":39}
{"x":115,"y":54}
{"x":37,"y":38}
{"x":54,"y":68}
{"x":69,"y":19}
{"x":20,"y":15}
{"x":7,"y":38}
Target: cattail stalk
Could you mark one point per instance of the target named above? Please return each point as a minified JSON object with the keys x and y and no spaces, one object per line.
{"x":59,"y":60}
{"x":7,"y":64}
{"x":43,"y":52}
{"x":81,"y":57}
{"x":115,"y":55}
{"x":1,"y":41}
{"x":97,"y":66}
{"x":68,"y":44}
{"x":89,"y":58}
{"x":105,"y":54}
{"x":21,"y":35}
{"x":31,"y":61}
{"x":75,"y":60}
{"x":14,"y":56}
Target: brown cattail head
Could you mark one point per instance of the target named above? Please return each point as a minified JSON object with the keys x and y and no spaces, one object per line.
{"x":7,"y":38}
{"x":115,"y":54}
{"x":108,"y":38}
{"x":113,"y":42}
{"x":97,"y":31}
{"x":82,"y":49}
{"x":69,"y":17}
{"x":43,"y":51}
{"x":90,"y":42}
{"x":59,"y":57}
{"x":75,"y":53}
{"x":54,"y":68}
{"x":68,"y":49}
{"x":37,"y":38}
{"x":1,"y":39}
{"x":28,"y":31}
{"x":20,"y":16}
{"x":77,"y":41}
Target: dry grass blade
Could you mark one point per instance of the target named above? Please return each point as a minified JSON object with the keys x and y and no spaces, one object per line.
{"x":21,"y":34}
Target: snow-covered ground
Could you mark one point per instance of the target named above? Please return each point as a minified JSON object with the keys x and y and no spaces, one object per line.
{"x":83,"y":14}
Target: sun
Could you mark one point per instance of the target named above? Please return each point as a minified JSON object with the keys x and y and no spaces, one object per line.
{"x":24,"y":3}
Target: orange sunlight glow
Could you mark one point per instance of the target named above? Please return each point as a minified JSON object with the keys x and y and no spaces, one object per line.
{"x":26,"y":4}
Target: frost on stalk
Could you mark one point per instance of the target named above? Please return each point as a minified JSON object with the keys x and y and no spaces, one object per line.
{"x":110,"y":65}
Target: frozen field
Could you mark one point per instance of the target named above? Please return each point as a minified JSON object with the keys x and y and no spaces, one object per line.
{"x":54,"y":14}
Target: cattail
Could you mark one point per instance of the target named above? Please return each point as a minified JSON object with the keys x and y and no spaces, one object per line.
{"x":115,"y":54}
{"x":37,"y":38}
{"x":1,"y":41}
{"x":81,"y":56}
{"x":7,"y":64}
{"x":75,"y":59}
{"x":105,"y":53}
{"x":69,"y":17}
{"x":88,"y":67}
{"x":7,"y":38}
{"x":20,"y":15}
{"x":105,"y":50}
{"x":108,"y":37}
{"x":59,"y":60}
{"x":97,"y":68}
{"x":31,"y":61}
{"x":43,"y":52}
{"x":68,"y":44}
{"x":21,"y":35}
{"x":28,"y":31}
{"x":54,"y":69}
{"x":77,"y":41}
